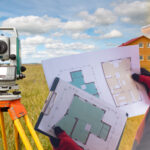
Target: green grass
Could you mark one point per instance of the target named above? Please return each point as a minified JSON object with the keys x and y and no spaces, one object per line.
{"x":34,"y":91}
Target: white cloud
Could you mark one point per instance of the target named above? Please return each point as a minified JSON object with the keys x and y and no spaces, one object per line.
{"x":57,"y":34}
{"x":112,"y":34}
{"x":47,"y":54}
{"x":136,"y":12}
{"x":76,"y":26}
{"x":80,"y":36}
{"x":36,"y":40}
{"x":33,"y":24}
{"x":53,"y":48}
{"x":126,"y":19}
{"x":100,"y":17}
{"x":69,"y":46}
{"x":37,"y":25}
{"x":98,"y":31}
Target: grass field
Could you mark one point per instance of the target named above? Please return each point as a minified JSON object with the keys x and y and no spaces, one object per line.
{"x":34,"y":92}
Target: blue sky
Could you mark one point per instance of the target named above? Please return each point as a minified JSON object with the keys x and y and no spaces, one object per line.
{"x":54,"y":28}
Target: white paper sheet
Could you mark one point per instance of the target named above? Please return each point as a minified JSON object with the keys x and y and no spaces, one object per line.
{"x":59,"y":104}
{"x":89,"y":65}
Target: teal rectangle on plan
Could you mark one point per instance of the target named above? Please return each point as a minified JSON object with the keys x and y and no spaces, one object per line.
{"x":104,"y":131}
{"x":76,"y":107}
{"x":90,"y":88}
{"x":90,"y":85}
{"x":67,"y":124}
{"x":80,"y":133}
{"x":79,"y":81}
{"x":96,"y":127}
{"x":81,"y":110}
{"x":85,"y":111}
{"x":103,"y":134}
{"x":91,"y":91}
{"x":76,"y":84}
{"x":106,"y":127}
{"x":76,"y":74}
{"x":96,"y":114}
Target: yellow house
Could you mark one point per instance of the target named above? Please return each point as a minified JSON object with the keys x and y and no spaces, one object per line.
{"x":144,"y":49}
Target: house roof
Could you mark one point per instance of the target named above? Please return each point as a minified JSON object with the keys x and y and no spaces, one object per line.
{"x":132,"y":40}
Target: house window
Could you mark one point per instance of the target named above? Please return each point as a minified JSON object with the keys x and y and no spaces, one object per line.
{"x":140,"y":44}
{"x":148,"y":57}
{"x":148,"y":45}
{"x":141,"y":58}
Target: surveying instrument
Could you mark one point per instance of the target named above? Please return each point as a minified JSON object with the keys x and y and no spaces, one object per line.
{"x":10,"y":71}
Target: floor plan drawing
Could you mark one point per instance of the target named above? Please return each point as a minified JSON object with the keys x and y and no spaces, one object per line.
{"x":78,"y":81}
{"x":118,"y":77}
{"x":106,"y":74}
{"x":80,"y":124}
{"x":89,"y":121}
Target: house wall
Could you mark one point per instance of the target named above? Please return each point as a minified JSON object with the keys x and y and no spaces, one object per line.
{"x":144,"y":51}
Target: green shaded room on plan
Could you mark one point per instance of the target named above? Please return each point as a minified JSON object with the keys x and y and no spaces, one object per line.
{"x":82,"y":119}
{"x":78,"y":81}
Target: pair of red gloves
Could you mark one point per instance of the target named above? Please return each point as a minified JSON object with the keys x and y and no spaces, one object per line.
{"x":64,"y":142}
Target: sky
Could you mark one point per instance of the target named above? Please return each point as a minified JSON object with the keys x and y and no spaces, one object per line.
{"x":54,"y":28}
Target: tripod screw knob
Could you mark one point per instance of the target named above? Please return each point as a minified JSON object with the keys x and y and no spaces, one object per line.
{"x":23,"y":68}
{"x":21,"y":76}
{"x":16,"y":92}
{"x":12,"y":56}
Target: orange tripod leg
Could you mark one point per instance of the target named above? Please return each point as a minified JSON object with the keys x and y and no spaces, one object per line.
{"x":16,"y":138}
{"x":3,"y":130}
{"x":16,"y":110}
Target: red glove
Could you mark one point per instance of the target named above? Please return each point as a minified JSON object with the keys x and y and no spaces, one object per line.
{"x":144,"y":79}
{"x":63,"y":141}
{"x":142,"y":139}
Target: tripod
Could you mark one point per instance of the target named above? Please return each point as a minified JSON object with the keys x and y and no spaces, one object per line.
{"x":16,"y":110}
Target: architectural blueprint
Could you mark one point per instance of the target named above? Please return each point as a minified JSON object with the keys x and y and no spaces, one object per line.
{"x":105,"y":74}
{"x":117,"y":74}
{"x":92,"y":123}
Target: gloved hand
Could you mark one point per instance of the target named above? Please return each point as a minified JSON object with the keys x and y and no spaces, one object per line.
{"x":144,"y":79}
{"x":142,"y":141}
{"x":63,"y":141}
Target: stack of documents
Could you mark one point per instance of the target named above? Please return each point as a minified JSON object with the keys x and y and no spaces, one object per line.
{"x":92,"y":96}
